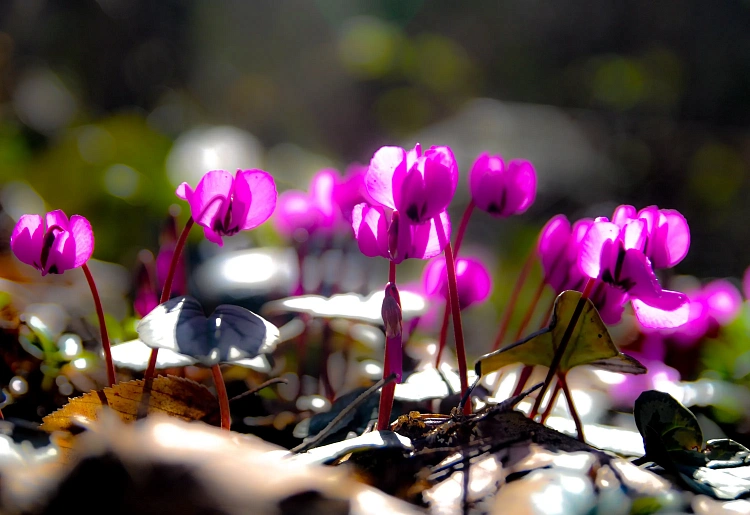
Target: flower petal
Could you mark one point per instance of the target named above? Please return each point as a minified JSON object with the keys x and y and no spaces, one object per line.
{"x":428,"y":240}
{"x":677,"y":240}
{"x":213,"y":236}
{"x":671,"y":309}
{"x":210,"y":200}
{"x":27,"y":239}
{"x":385,"y":175}
{"x":56,"y":218}
{"x":258,"y":190}
{"x":590,"y":253}
{"x":638,"y":276}
{"x":371,"y":230}
{"x":521,"y":185}
{"x":83,"y":236}
{"x":479,"y":169}
{"x":623,"y":214}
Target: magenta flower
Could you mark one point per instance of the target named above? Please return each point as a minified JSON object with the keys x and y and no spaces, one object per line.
{"x":614,"y":255}
{"x":296,"y":215}
{"x":558,"y":249}
{"x":474,"y":281}
{"x":351,"y":190}
{"x":418,"y":186}
{"x":52,"y":244}
{"x":502,"y":190}
{"x":667,"y":237}
{"x":395,"y":238}
{"x":225,"y":205}
{"x":716,"y":304}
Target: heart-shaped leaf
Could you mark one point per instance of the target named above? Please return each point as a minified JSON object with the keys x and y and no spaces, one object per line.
{"x":589,"y":343}
{"x":230,"y":333}
{"x":666,"y":426}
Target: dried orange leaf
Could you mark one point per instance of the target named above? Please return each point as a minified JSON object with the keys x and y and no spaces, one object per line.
{"x":173,"y":396}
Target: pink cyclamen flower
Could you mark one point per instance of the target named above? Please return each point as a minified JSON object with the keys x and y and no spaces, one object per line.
{"x":351,"y":190}
{"x":558,"y":249}
{"x":716,"y":304}
{"x":296,"y":215}
{"x":418,"y":186}
{"x":395,"y":238}
{"x":52,"y":244}
{"x":667,"y":235}
{"x":224,"y":205}
{"x":502,"y":190}
{"x":474,"y":281}
{"x":615,"y":255}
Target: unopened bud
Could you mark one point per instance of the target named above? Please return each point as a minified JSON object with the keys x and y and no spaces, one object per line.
{"x":391,"y":311}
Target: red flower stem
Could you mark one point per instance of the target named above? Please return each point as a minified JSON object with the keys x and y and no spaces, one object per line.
{"x":573,"y":413}
{"x":221,"y":393}
{"x":530,"y":311}
{"x":513,"y":299}
{"x":523,"y":378}
{"x":111,"y":377}
{"x":443,"y":333}
{"x":389,"y":390}
{"x":462,"y":227}
{"x":551,"y":403}
{"x":458,"y":331}
{"x":165,"y":293}
{"x":563,"y":345}
{"x":527,"y":369}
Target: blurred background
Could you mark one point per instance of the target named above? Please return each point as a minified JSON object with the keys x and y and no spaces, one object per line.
{"x":107,"y":105}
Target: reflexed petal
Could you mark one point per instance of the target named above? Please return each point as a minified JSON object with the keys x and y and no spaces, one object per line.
{"x":521,"y":186}
{"x":434,"y":277}
{"x":674,"y":247}
{"x":322,"y":187}
{"x":723,"y":300}
{"x":479,"y":170}
{"x":83,"y":235}
{"x":210,"y":200}
{"x":639,"y":276}
{"x":610,"y":302}
{"x":623,"y":214}
{"x":474,"y":281}
{"x":414,"y":199}
{"x":671,"y":309}
{"x":440,"y":166}
{"x":295,"y":211}
{"x":58,"y":218}
{"x":213,"y":236}
{"x":27,"y":239}
{"x":590,"y":254}
{"x":383,"y":178}
{"x":62,"y":254}
{"x":428,"y":240}
{"x":257,"y":190}
{"x":184,"y":191}
{"x":634,"y":234}
{"x":371,"y":230}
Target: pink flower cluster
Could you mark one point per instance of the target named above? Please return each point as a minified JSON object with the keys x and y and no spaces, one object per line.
{"x":621,"y":256}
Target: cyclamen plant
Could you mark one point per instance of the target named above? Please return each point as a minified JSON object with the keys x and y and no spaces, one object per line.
{"x":54,"y":244}
{"x":223,"y":205}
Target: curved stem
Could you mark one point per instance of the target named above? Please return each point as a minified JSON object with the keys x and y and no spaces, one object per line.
{"x":530,"y":311}
{"x":443,"y":333}
{"x":221,"y":393}
{"x":458,"y":331}
{"x":573,"y":413}
{"x":165,"y":293}
{"x":462,"y":227}
{"x":513,"y":300}
{"x":111,"y":377}
{"x":563,"y":344}
{"x":389,"y":390}
{"x":551,"y":403}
